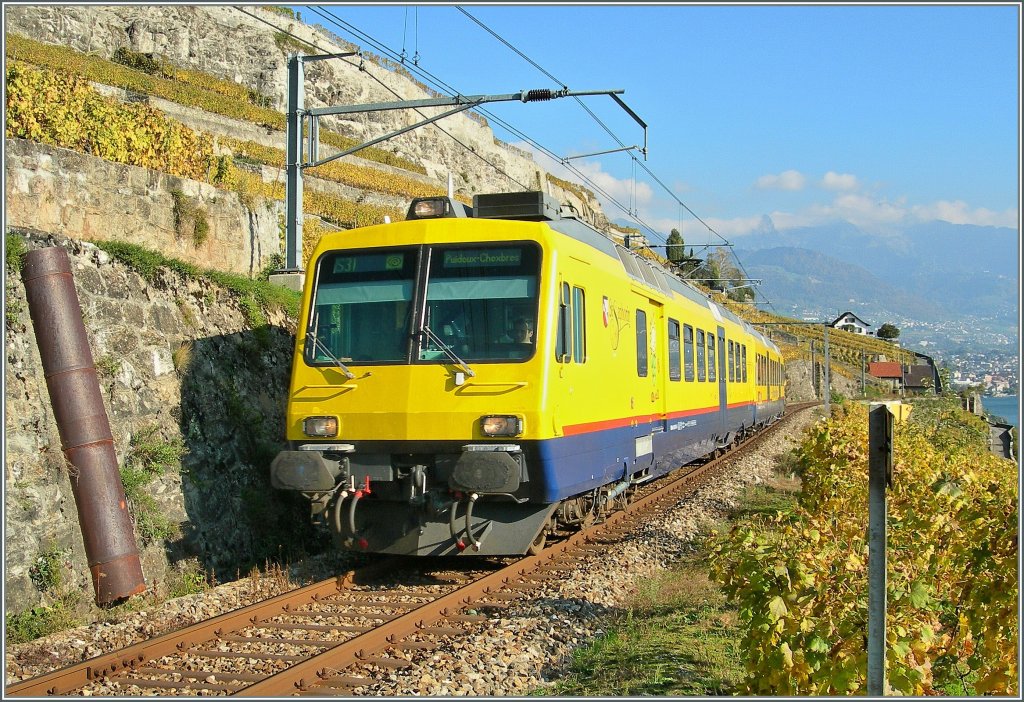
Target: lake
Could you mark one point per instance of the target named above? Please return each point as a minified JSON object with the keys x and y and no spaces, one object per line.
{"x":1005,"y":407}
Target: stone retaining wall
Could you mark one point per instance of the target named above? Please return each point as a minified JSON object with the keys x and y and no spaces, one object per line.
{"x":52,"y":189}
{"x":222,"y":397}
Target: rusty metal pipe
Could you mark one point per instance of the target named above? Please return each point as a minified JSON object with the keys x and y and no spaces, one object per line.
{"x":85,"y":435}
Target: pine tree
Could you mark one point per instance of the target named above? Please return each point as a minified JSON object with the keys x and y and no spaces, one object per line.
{"x":674,"y":249}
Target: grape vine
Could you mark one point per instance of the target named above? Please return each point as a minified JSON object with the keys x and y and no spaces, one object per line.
{"x":800,"y":579}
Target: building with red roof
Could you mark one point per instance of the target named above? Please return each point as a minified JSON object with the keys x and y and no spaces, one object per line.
{"x":887,"y":370}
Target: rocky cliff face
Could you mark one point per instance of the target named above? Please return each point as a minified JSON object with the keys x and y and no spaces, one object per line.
{"x":235,"y":45}
{"x":180,"y":367}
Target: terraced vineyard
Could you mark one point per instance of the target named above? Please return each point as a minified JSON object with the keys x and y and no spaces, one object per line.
{"x":846,"y":349}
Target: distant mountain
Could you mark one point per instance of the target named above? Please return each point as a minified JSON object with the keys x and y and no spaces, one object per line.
{"x":802,"y":282}
{"x":960,"y":269}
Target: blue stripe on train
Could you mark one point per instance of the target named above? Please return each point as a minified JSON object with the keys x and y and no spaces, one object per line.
{"x":572,"y":465}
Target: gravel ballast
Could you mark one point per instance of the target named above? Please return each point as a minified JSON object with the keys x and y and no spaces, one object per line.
{"x":518,"y":651}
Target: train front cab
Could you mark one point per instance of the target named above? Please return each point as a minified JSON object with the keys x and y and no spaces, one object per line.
{"x":442,"y":440}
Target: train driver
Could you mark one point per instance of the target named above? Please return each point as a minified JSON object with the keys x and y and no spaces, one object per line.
{"x":520,"y":333}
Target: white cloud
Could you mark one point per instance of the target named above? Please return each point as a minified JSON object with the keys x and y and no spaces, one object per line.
{"x":625,"y":191}
{"x":863,"y":210}
{"x":851,"y":203}
{"x":787,"y":180}
{"x":695,"y":233}
{"x":877,"y":215}
{"x":839,"y":181}
{"x":958,"y":212}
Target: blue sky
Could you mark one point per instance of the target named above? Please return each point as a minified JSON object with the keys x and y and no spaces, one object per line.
{"x":880,"y":115}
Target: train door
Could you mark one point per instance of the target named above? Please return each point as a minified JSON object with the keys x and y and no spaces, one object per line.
{"x":648,"y":402}
{"x":723,"y":386}
{"x":659,"y":366}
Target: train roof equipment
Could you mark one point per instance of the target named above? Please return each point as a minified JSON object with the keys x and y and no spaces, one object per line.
{"x":537,"y":206}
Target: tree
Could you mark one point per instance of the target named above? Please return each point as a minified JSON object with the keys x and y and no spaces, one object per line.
{"x":674,"y":250}
{"x":888,"y":332}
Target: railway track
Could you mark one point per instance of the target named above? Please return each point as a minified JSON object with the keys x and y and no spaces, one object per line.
{"x":332,"y":637}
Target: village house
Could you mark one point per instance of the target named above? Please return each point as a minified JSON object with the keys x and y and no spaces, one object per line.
{"x":850,"y":322}
{"x":890,"y":371}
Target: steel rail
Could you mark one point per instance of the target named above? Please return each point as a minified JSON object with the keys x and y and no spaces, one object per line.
{"x":326,"y":667}
{"x":75,"y":676}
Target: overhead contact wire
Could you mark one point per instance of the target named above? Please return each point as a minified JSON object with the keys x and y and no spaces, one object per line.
{"x":441,"y":83}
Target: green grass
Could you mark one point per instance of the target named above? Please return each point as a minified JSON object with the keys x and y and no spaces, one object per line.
{"x":678,"y":638}
{"x":42,"y":621}
{"x":253,"y":294}
{"x":15,"y":250}
{"x":47,"y":574}
{"x":149,"y":457}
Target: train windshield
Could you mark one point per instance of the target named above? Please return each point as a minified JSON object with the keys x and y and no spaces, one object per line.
{"x":481,"y":302}
{"x":362,"y":309}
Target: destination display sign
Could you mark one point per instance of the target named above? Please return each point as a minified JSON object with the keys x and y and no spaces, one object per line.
{"x":473,"y":258}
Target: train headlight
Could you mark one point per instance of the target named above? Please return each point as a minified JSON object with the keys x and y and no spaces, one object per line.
{"x":320,"y":426}
{"x":424,"y":209}
{"x":501,"y":425}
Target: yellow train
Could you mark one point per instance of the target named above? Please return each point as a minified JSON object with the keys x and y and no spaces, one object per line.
{"x":469,"y":380}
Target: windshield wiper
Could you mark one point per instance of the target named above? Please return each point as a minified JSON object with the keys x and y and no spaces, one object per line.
{"x":310,"y":334}
{"x":448,"y":350}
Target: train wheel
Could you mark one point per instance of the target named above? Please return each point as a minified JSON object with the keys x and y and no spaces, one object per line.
{"x":538,"y":544}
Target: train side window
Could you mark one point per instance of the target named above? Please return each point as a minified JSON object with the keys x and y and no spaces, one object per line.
{"x":674,"y":368}
{"x":732,"y":361}
{"x":641,"y":343}
{"x":712,"y":357}
{"x":743,"y":362}
{"x":701,"y":376}
{"x":688,"y":353}
{"x":579,"y":336}
{"x":563,"y":340}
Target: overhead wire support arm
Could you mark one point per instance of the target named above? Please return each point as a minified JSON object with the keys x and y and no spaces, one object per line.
{"x":642,"y":149}
{"x":566,"y":159}
{"x":461,"y":103}
{"x":297,"y":115}
{"x":699,"y":246}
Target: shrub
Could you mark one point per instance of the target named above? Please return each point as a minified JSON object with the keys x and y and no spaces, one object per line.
{"x":800,"y":578}
{"x":140,"y":62}
{"x":149,"y":457}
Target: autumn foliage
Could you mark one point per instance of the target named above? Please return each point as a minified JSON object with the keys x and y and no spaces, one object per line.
{"x":800,"y":579}
{"x":62,"y":109}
